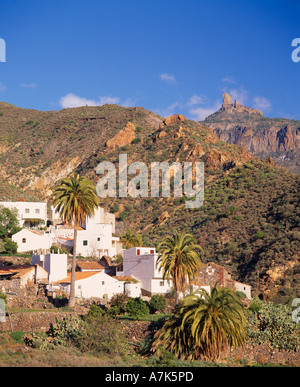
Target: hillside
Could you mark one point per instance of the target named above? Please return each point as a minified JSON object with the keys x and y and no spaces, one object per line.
{"x":250,"y":217}
{"x":264,"y":137}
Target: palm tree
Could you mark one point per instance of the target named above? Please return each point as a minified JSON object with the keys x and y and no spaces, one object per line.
{"x":217,"y":321}
{"x":179,"y":260}
{"x":205,"y":324}
{"x":130,"y":239}
{"x":75,"y":199}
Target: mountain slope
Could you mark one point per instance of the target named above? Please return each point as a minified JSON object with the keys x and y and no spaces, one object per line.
{"x":250,"y":218}
{"x":278,"y":138}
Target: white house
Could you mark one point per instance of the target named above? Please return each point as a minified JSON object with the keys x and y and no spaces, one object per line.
{"x":140,"y":262}
{"x":55,"y":264}
{"x":94,"y":238}
{"x":90,"y":284}
{"x":29,"y":240}
{"x":30,"y":214}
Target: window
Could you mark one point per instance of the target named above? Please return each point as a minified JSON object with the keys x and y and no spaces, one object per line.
{"x":151,"y":251}
{"x":26,"y":210}
{"x":138,"y":252}
{"x":85,"y":243}
{"x":103,"y":282}
{"x":98,"y":239}
{"x":24,"y":240}
{"x":210,"y":270}
{"x":37,"y":210}
{"x":162,"y":283}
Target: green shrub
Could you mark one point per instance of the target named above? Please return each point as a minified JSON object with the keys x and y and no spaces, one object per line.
{"x":94,"y":313}
{"x":114,"y":310}
{"x":10,"y":246}
{"x":241,"y":294}
{"x":103,"y":336}
{"x":137,"y":307}
{"x":272,"y":324}
{"x":119,"y":302}
{"x":157,"y":303}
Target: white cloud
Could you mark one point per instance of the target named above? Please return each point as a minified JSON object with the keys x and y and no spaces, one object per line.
{"x":241,"y":95}
{"x":262,"y":104}
{"x":229,"y":79}
{"x":29,"y":85}
{"x":169,"y":110}
{"x":197,"y":100}
{"x":71,"y":100}
{"x":168,"y":78}
{"x":129,"y":103}
{"x":200,"y":113}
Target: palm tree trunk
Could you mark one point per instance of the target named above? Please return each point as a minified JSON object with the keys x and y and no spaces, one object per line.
{"x":177,"y":298}
{"x":72,"y":291}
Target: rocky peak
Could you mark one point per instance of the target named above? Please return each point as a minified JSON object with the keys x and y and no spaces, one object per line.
{"x":230,"y":107}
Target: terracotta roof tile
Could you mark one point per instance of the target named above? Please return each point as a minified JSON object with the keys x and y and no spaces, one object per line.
{"x":78,"y":276}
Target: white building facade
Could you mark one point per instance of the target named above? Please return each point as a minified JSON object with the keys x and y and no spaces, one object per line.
{"x":92,"y":284}
{"x":55,"y":264}
{"x":30,"y":240}
{"x":94,"y":238}
{"x":140,"y":262}
{"x":30,"y":214}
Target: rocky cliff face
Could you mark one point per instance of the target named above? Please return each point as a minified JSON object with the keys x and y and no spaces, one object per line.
{"x":260,"y":136}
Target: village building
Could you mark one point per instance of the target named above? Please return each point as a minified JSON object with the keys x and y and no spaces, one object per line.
{"x":110,"y":267}
{"x":89,"y":266}
{"x":140,"y":262}
{"x":94,"y":237}
{"x":56,"y":265}
{"x":89,"y":284}
{"x":19,"y":276}
{"x":29,"y":240}
{"x":30,"y":214}
{"x":211,"y":274}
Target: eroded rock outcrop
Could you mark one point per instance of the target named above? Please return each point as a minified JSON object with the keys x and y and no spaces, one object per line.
{"x":124,"y":137}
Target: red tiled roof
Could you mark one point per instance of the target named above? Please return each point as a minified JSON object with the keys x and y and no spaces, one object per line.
{"x":90,"y":266}
{"x":79,"y":275}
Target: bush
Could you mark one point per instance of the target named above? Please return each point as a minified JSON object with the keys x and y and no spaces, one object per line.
{"x":241,"y":294}
{"x":272,"y":324}
{"x":103,"y":336}
{"x":114,"y":311}
{"x":137,"y":307}
{"x":94,"y":313}
{"x":96,"y":335}
{"x":157,"y":303}
{"x":10,"y":247}
{"x":118,"y":302}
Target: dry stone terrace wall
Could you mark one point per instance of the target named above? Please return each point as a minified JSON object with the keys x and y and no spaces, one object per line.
{"x":11,"y":286}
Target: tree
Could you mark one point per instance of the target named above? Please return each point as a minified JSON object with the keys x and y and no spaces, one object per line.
{"x":130,"y":239}
{"x":75,"y":199}
{"x":9,"y":224}
{"x":204,"y":325}
{"x":10,"y":247}
{"x":179,"y":260}
{"x":217,"y":321}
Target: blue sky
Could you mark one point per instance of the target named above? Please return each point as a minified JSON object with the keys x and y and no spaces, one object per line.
{"x":169,"y":56}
